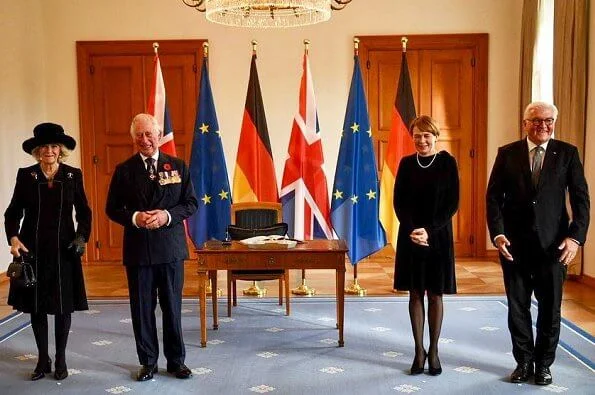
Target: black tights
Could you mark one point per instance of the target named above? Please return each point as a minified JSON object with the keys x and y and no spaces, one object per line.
{"x":39,"y":323}
{"x":417,"y":316}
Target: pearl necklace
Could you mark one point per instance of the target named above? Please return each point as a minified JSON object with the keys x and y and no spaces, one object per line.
{"x":429,"y":164}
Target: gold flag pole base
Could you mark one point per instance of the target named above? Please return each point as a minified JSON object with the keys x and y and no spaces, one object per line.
{"x":210,"y":291}
{"x":303,"y":289}
{"x":355,"y":289}
{"x":255,"y":290}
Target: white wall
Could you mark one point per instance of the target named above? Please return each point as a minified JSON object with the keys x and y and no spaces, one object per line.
{"x":589,"y":159}
{"x":42,"y":83}
{"x":22,"y":93}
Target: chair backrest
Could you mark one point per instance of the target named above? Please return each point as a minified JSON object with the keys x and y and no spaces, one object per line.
{"x":256,"y":214}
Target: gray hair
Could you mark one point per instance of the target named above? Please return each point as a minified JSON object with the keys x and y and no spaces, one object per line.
{"x":142,"y":117}
{"x":540,"y":105}
{"x":64,"y":153}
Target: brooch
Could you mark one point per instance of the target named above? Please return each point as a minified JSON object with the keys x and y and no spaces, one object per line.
{"x":34,"y":175}
{"x":69,"y":175}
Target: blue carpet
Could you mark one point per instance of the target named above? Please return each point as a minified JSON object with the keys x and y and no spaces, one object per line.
{"x":261,"y":350}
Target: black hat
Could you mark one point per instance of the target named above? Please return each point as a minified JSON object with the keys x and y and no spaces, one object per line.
{"x":48,"y":133}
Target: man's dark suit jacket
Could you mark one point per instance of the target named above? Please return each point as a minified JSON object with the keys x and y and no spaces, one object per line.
{"x":517,"y":210}
{"x":131,"y":190}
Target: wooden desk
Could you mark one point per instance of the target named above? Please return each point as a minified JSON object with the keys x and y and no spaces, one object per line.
{"x":311,"y":254}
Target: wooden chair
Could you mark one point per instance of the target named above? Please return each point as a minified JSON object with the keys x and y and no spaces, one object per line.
{"x":255,"y":215}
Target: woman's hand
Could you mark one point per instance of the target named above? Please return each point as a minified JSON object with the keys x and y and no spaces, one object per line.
{"x":16,"y":246}
{"x":419,"y":236}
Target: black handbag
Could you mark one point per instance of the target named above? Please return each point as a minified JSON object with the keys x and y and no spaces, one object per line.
{"x":21,"y":272}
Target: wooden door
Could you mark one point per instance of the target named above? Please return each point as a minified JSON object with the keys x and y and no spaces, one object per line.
{"x":115,"y":80}
{"x":448,"y":84}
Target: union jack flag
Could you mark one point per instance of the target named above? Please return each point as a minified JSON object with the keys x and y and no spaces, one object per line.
{"x":158,"y":108}
{"x":304,"y":192}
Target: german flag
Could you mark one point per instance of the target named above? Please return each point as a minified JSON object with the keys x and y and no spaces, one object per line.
{"x":399,"y":145}
{"x":254,"y":177}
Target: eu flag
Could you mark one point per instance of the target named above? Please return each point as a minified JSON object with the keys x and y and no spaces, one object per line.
{"x":208,"y":170}
{"x":355,"y":200}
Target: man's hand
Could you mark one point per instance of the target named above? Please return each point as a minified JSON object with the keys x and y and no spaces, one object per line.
{"x":502,"y":244}
{"x":569,"y":249}
{"x":16,"y":246}
{"x":156,"y":219}
{"x":419,"y":236}
{"x":141,"y":219}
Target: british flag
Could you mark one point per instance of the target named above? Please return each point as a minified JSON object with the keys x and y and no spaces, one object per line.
{"x":158,"y":108}
{"x":304,"y":191}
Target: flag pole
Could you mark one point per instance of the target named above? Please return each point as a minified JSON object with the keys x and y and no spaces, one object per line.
{"x":205,"y":51}
{"x":254,"y":289}
{"x":303,"y":289}
{"x":354,"y":288}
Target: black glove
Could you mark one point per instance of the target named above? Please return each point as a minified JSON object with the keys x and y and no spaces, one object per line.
{"x":77,"y":246}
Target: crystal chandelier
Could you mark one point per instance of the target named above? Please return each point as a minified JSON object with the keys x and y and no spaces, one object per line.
{"x":267,"y":13}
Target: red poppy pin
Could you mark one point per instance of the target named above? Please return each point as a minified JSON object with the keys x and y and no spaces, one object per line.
{"x":166,"y":167}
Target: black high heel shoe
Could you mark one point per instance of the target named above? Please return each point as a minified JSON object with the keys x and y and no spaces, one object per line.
{"x":434,"y":369}
{"x":418,"y":369}
{"x":41,"y":369}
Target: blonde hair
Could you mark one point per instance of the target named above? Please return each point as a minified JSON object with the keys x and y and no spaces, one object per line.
{"x":64,"y":153}
{"x":425,"y":124}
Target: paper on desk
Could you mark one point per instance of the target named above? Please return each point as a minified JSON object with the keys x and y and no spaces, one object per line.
{"x":275,"y":239}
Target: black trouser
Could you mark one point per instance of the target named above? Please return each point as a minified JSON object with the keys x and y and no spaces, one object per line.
{"x":538,"y":271}
{"x":39,"y":323}
{"x":144,"y":284}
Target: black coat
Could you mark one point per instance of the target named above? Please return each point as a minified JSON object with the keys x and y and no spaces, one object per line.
{"x":131,"y":190}
{"x":426,"y":198}
{"x":46,"y":230}
{"x":516,"y":209}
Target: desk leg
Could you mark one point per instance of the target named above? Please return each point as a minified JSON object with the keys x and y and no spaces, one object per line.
{"x":202,"y":299}
{"x":341,"y":303}
{"x":213,"y":276}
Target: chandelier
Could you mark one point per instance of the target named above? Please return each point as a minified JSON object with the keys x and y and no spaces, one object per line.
{"x":267,"y":13}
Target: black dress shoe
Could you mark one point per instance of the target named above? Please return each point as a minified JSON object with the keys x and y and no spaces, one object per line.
{"x":543,"y":376}
{"x":41,"y":369}
{"x":417,"y":368}
{"x":522,"y":372}
{"x":180,"y":371}
{"x":61,"y":373}
{"x":145,"y":372}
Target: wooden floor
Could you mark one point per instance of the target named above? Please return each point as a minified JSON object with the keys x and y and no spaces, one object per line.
{"x":375,"y":274}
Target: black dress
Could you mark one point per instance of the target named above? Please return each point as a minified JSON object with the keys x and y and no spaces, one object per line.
{"x":426,"y":196}
{"x":47,"y":229}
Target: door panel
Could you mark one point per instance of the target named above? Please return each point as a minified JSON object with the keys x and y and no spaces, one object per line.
{"x":117,"y":86}
{"x":447,"y":96}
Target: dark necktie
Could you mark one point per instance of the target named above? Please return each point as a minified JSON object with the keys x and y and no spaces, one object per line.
{"x":536,"y":167}
{"x":150,"y":168}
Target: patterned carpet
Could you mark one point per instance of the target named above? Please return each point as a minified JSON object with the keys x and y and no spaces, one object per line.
{"x":260,"y":350}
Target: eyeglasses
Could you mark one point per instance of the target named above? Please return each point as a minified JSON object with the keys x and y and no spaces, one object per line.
{"x":539,"y":121}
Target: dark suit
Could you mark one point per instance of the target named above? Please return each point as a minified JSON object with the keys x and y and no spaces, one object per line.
{"x":154,"y":259}
{"x":535,"y":221}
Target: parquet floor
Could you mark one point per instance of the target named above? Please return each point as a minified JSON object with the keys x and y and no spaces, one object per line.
{"x":375,"y":274}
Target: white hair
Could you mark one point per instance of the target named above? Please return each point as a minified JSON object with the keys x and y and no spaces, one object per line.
{"x":540,"y":105}
{"x":142,"y":117}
